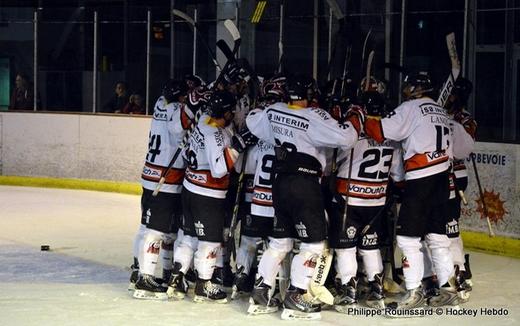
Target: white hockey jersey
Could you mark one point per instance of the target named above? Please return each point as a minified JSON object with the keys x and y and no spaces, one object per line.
{"x":210,"y":159}
{"x":262,"y":204}
{"x":305,"y":130}
{"x":249,"y":173}
{"x":423,"y":128}
{"x":372,"y":165}
{"x":459,"y":166}
{"x":169,"y":125}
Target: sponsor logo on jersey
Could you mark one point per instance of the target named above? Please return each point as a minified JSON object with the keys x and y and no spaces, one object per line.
{"x":219,"y":138}
{"x":452,"y":227}
{"x":198,"y":177}
{"x":374,"y":191}
{"x":151,"y":172}
{"x":430,"y":108}
{"x":199,"y":229}
{"x":434,"y":156}
{"x":301,"y":230}
{"x":370,"y":240}
{"x":160,"y":116}
{"x":351,"y":232}
{"x":263,"y":196}
{"x":292,"y":121}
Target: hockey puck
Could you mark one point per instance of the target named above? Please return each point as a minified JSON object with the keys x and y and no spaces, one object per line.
{"x":45,"y":247}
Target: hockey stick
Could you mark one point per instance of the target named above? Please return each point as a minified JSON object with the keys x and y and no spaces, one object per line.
{"x":447,"y":87}
{"x":388,"y":204}
{"x":484,"y":206}
{"x":317,"y":287}
{"x":230,"y":243}
{"x":195,"y":27}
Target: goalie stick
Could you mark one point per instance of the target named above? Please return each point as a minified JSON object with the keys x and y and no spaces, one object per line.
{"x":235,"y":34}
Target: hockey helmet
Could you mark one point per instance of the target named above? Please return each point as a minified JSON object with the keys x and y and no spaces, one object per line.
{"x":193,"y":81}
{"x":173,"y":90}
{"x":220,"y":103}
{"x":462,"y":89}
{"x":298,"y":87}
{"x":274,"y":89}
{"x":374,"y":103}
{"x":417,"y":85}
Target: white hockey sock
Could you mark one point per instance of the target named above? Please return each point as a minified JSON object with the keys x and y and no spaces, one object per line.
{"x":178,"y":240}
{"x":427,"y":258}
{"x":303,"y":264}
{"x":167,"y":251}
{"x":372,"y":261}
{"x":206,"y":257}
{"x":221,"y":257}
{"x":150,"y":253}
{"x":439,"y":245}
{"x":413,"y":264}
{"x":138,"y":241}
{"x":457,"y":252}
{"x":184,"y":252}
{"x":246,"y":252}
{"x":346,"y":263}
{"x":269,"y":265}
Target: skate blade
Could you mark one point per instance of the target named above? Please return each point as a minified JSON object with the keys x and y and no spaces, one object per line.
{"x":131,"y":287}
{"x":235,"y":293}
{"x":344,"y":309}
{"x":255,"y":309}
{"x":175,"y":295}
{"x":289,"y":314}
{"x":201,"y":299}
{"x":444,"y":299}
{"x":375,"y":304}
{"x":147,"y":295}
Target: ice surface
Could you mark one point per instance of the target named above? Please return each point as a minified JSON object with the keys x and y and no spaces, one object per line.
{"x":83,"y":279}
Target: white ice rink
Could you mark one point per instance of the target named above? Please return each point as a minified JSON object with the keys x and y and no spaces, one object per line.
{"x":83,"y":279}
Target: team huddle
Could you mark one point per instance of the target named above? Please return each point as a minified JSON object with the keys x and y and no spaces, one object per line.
{"x":327,"y":187}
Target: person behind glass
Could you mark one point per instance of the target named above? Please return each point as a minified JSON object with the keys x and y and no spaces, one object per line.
{"x":134,"y":105}
{"x":22,"y":97}
{"x":118,"y":100}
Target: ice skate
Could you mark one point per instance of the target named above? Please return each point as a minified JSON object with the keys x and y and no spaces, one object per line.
{"x":178,"y":286}
{"x":467,"y":273}
{"x":134,"y":275}
{"x":262,"y":300}
{"x":409,"y":306}
{"x":206,"y":291}
{"x":149,"y":288}
{"x":298,"y":305}
{"x":347,"y":296}
{"x":241,"y":284}
{"x":223,"y":276}
{"x":430,"y":287}
{"x":375,"y":298}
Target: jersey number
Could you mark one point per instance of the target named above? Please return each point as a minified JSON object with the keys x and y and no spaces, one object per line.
{"x":267,"y":168}
{"x":153,"y":147}
{"x":384,"y":154}
{"x":441,"y":132}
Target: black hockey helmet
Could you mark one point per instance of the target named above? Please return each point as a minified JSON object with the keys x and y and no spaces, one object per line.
{"x":193,"y":81}
{"x":374,"y":103}
{"x":298,"y":87}
{"x":462,"y":89}
{"x":416,"y":85}
{"x":173,"y":89}
{"x":220,"y":103}
{"x":274,"y":89}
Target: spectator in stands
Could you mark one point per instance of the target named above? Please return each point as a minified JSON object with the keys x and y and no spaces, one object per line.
{"x":135,"y":105}
{"x":23,"y":94}
{"x":118,"y":101}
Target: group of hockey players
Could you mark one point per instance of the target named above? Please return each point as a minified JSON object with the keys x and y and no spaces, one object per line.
{"x":313,"y":176}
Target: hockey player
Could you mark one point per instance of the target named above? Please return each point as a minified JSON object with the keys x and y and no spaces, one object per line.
{"x":299,"y":134}
{"x":161,"y":214}
{"x":423,"y":128}
{"x":365,"y":171}
{"x":457,"y":103}
{"x":211,"y":155}
{"x":257,"y":223}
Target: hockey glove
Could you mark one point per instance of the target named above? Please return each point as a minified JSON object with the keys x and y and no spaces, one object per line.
{"x":242,"y":140}
{"x":467,"y":122}
{"x":356,"y":116}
